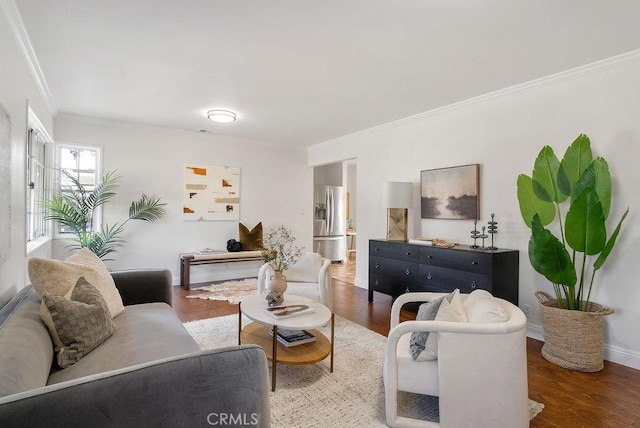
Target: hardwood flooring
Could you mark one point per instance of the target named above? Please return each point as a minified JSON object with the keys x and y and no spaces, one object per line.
{"x":607,"y":399}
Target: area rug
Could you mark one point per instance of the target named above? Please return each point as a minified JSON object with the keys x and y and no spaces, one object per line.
{"x":232,"y":291}
{"x":311,"y":396}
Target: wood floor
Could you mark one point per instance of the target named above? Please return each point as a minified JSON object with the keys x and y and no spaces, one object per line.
{"x":610,"y":398}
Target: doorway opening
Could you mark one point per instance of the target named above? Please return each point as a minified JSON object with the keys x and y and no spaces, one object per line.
{"x":335,"y":213}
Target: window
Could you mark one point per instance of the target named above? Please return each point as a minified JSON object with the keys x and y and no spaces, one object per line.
{"x":37,"y":181}
{"x":81,"y":163}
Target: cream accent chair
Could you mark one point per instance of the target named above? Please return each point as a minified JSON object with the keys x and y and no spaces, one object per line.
{"x":310,"y":277}
{"x":480,"y":375}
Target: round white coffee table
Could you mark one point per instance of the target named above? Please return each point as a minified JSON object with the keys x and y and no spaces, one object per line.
{"x":257,"y":332}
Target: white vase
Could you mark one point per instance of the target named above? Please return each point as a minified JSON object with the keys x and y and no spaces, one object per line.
{"x":277,"y":282}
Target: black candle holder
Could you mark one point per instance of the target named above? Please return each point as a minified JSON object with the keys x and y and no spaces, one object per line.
{"x":483,"y":236}
{"x":474,"y":234}
{"x":493,"y":229}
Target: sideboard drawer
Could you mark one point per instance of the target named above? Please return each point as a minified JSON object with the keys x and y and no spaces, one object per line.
{"x":389,"y":285}
{"x":394,"y":250}
{"x":394,"y":268}
{"x":444,"y":279}
{"x":470,"y":261}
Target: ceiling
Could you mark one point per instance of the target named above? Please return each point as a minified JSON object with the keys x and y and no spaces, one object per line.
{"x":299,"y":72}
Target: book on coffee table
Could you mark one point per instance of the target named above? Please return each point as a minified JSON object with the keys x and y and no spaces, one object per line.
{"x":293,"y":337}
{"x":288,"y":311}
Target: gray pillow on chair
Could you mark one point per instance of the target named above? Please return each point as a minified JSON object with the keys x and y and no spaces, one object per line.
{"x":426,"y":312}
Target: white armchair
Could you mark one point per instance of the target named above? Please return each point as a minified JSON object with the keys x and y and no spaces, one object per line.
{"x":310,"y":277}
{"x":480,"y":375}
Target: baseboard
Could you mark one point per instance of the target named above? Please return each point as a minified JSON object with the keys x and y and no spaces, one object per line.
{"x":622,"y":356}
{"x":361,"y":283}
{"x":535,"y":331}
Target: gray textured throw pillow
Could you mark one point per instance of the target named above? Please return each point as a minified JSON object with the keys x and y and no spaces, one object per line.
{"x":426,"y":312}
{"x":82,"y":321}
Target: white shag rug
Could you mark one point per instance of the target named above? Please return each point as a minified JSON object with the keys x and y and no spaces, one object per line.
{"x":232,"y":291}
{"x":310,"y":396}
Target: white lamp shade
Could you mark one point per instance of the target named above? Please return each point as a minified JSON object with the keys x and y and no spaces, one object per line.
{"x":397,"y":194}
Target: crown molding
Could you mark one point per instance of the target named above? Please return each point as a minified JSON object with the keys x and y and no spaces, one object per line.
{"x":23,"y":41}
{"x":611,"y":63}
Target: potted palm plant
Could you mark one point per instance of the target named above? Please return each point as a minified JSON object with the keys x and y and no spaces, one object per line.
{"x":575,"y":195}
{"x":74,"y":207}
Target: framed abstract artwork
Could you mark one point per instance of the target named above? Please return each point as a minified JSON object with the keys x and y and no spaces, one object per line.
{"x":450,"y":193}
{"x":211,"y":193}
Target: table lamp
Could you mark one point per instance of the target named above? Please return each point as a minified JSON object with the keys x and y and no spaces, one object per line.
{"x":397,"y":198}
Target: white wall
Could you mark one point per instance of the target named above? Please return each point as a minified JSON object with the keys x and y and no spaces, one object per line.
{"x":17,"y":90}
{"x":503,"y":132}
{"x":328,"y":175}
{"x":352,"y":187}
{"x":276,"y":188}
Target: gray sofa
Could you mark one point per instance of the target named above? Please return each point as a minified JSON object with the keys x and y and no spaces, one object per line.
{"x":150,"y":372}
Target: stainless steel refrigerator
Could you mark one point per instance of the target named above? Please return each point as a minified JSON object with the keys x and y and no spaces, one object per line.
{"x":329,"y":222}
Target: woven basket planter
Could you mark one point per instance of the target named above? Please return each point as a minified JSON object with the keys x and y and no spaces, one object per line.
{"x":573,"y":339}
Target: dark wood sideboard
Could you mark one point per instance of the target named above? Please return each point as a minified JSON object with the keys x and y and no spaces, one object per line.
{"x":400,"y":267}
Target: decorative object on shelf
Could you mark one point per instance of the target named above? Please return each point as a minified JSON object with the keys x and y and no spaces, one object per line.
{"x":442,"y":243}
{"x":75,"y":205}
{"x":280,"y":253}
{"x":421,"y":241}
{"x":397,"y":197}
{"x":275,"y":298}
{"x":474,"y":234}
{"x":277,"y":282}
{"x":450,"y":193}
{"x":234,"y":246}
{"x":493,"y":229}
{"x":585,"y":184}
{"x":483,"y":237}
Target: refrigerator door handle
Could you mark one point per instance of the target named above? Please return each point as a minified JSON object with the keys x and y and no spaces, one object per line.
{"x":330,"y":204}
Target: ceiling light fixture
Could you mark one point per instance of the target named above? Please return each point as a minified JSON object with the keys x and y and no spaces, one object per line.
{"x":222,"y":116}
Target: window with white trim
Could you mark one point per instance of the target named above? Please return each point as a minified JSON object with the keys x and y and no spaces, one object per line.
{"x":38,"y":140}
{"x":82,"y":163}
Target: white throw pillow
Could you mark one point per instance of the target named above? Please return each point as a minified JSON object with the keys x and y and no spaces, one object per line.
{"x":482,"y":307}
{"x":57,"y":277}
{"x":450,"y":310}
{"x":475,"y":296}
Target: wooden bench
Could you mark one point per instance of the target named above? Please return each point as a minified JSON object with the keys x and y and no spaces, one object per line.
{"x":193,"y":259}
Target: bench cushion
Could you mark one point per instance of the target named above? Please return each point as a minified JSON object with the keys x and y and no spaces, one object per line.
{"x":225,"y":256}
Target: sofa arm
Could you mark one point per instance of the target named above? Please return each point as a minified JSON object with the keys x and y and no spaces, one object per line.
{"x":196,"y":390}
{"x":144,"y":286}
